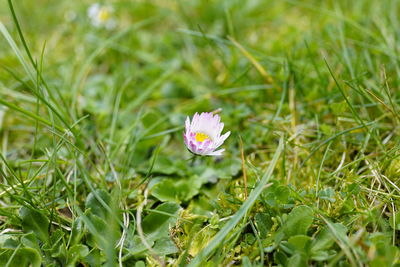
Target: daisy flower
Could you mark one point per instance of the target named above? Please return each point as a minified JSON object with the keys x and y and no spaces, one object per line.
{"x":203,"y":135}
{"x":101,"y":16}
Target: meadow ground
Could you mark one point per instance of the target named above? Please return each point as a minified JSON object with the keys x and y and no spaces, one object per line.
{"x":93,"y":167}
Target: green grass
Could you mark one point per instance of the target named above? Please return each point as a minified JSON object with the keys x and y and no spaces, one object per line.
{"x":94,"y":170}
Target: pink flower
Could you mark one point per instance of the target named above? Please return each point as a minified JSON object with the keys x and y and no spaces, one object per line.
{"x":203,"y":136}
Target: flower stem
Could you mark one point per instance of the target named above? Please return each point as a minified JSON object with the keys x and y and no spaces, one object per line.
{"x":192,"y":160}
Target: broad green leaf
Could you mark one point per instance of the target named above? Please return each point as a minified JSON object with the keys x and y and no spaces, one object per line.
{"x":280,"y":257}
{"x":140,"y":264}
{"x":297,"y":260}
{"x":95,"y":258}
{"x":77,"y":252}
{"x":157,"y":223}
{"x":282,"y":193}
{"x":297,"y":223}
{"x":277,"y":195}
{"x":56,"y":246}
{"x":20,"y":257}
{"x":136,"y":247}
{"x":165,"y":246}
{"x":324,"y":240}
{"x":176,"y":190}
{"x":228,"y":168}
{"x":30,"y":240}
{"x":323,"y":255}
{"x":339,"y":231}
{"x":378,"y":237}
{"x":264,"y":223}
{"x":165,"y":165}
{"x":9,"y":242}
{"x":98,"y":229}
{"x":387,"y":255}
{"x":77,"y":231}
{"x":36,"y":222}
{"x":300,"y":242}
{"x":246,"y":262}
{"x":96,"y":201}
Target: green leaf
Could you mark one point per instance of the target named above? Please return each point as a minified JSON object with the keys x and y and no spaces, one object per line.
{"x":300,"y":242}
{"x":20,"y":257}
{"x":140,"y":264}
{"x":387,"y":255}
{"x":56,"y":246}
{"x":277,"y":195}
{"x":30,"y":240}
{"x":156,"y":229}
{"x":77,"y":252}
{"x":323,"y":255}
{"x":339,"y":231}
{"x":96,"y":201}
{"x":77,"y":231}
{"x":378,"y":237}
{"x":282,"y":193}
{"x":98,"y":228}
{"x":246,"y":262}
{"x":165,"y":246}
{"x":10,"y":242}
{"x":156,"y":224}
{"x":324,"y":240}
{"x":95,"y":258}
{"x":165,"y":165}
{"x":264,"y":223}
{"x":297,"y":223}
{"x":228,"y":168}
{"x":135,"y":245}
{"x":297,"y":260}
{"x":176,"y":190}
{"x":36,"y":222}
{"x":280,"y":257}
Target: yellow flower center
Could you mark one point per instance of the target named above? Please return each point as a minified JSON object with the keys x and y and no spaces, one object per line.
{"x":104,"y":14}
{"x":200,"y":137}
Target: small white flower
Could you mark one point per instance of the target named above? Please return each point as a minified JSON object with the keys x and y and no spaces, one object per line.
{"x":203,"y":136}
{"x":101,"y":16}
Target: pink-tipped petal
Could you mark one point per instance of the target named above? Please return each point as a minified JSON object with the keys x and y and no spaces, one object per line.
{"x":206,"y":144}
{"x":195,"y":120}
{"x":185,"y":139}
{"x":187,"y":124}
{"x":192,"y":147}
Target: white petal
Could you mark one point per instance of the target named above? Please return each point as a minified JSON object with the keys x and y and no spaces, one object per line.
{"x":195,"y":122}
{"x":203,"y":123}
{"x":219,"y":128}
{"x":216,"y":153}
{"x":222,"y":139}
{"x":187,"y":124}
